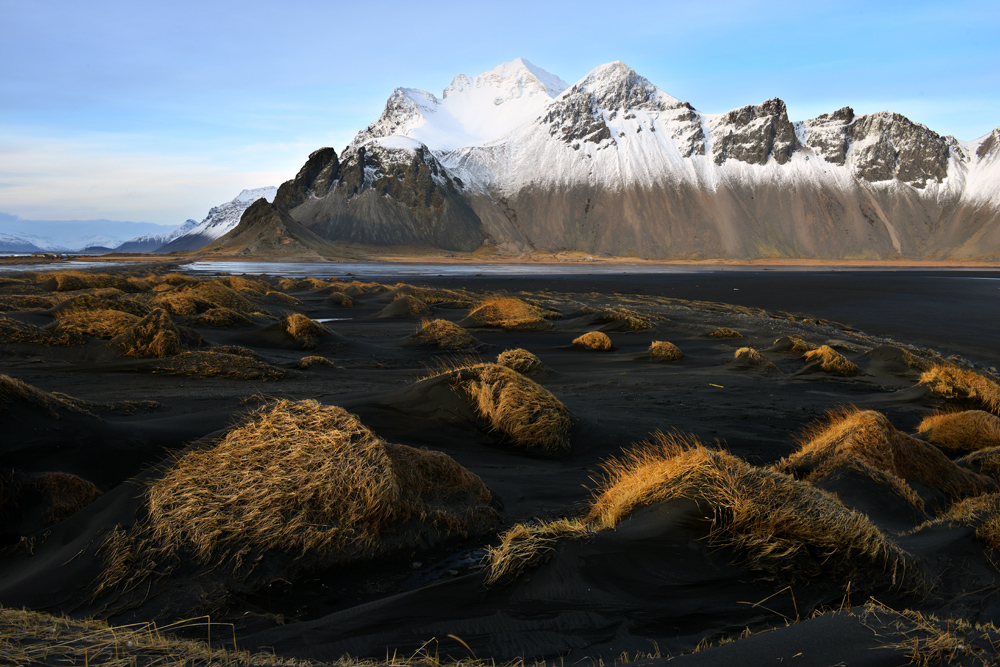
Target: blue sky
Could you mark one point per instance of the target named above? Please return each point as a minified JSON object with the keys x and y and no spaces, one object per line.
{"x":157,"y":111}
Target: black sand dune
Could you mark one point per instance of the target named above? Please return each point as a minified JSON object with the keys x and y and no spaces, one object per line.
{"x":657,"y":585}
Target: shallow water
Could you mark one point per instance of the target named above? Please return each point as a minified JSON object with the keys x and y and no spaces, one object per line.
{"x":368,"y":269}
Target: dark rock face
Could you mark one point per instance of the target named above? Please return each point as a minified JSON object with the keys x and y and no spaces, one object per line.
{"x":690,"y":137}
{"x":387,"y":196}
{"x":828,"y":134}
{"x":755,"y":133}
{"x":990,"y":146}
{"x":576,"y":117}
{"x":891,"y":146}
{"x":316,"y":177}
{"x":267,"y":229}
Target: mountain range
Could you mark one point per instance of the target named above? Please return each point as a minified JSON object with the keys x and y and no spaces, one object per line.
{"x":519,"y":160}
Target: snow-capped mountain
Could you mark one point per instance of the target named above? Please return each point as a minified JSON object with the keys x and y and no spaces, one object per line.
{"x":518,"y":159}
{"x":152,"y":242}
{"x":220,"y":220}
{"x":17,"y":243}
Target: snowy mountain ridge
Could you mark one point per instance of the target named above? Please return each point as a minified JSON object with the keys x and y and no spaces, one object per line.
{"x":518,"y":159}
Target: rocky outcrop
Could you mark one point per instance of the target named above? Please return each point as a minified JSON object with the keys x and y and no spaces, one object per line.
{"x":754,"y":133}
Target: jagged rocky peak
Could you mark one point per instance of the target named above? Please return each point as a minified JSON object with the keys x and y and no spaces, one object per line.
{"x":398,"y":167}
{"x":890,"y":146}
{"x":510,"y":81}
{"x":990,"y":146}
{"x":754,"y":133}
{"x":315,"y":179}
{"x":828,"y":135}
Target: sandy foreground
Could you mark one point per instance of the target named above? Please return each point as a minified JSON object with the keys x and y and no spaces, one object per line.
{"x":322,"y":472}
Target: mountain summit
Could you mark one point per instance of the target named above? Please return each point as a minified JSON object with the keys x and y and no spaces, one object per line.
{"x":517,"y":159}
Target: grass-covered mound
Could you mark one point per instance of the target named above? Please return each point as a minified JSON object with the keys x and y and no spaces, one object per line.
{"x":961,"y":384}
{"x":221,"y":317}
{"x":298,"y":486}
{"x":33,"y":501}
{"x":155,"y":335}
{"x":771,"y":522}
{"x":594,"y":340}
{"x":864,"y":440}
{"x":71,"y":281}
{"x":520,"y":360}
{"x":982,"y":513}
{"x":405,"y":305}
{"x":107,"y":299}
{"x":194,"y":297}
{"x":220,"y":362}
{"x":830,"y":361}
{"x":17,"y":397}
{"x":747,"y":358}
{"x":725,"y":332}
{"x":507,"y":313}
{"x":792,"y":345}
{"x":103,"y":324}
{"x":16,"y":332}
{"x":443,"y":335}
{"x":663,"y":350}
{"x":964,"y":431}
{"x":304,"y":331}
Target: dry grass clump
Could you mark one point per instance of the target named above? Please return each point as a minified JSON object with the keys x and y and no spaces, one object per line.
{"x":307,"y":362}
{"x":956,"y":383}
{"x":155,"y":335}
{"x":434,"y":295}
{"x":444,"y":335}
{"x":97,"y":323}
{"x":524,"y":411}
{"x":70,"y":281}
{"x":105,"y":300}
{"x":301,"y":479}
{"x":37,"y":638}
{"x":405,"y":305}
{"x":771,"y":521}
{"x":794,"y":345}
{"x":980,"y":512}
{"x":594,"y":340}
{"x":523,"y":547}
{"x":362,"y":288}
{"x":15,"y":331}
{"x":927,"y":640}
{"x":866,"y":440}
{"x":306,"y":332}
{"x":15,"y":302}
{"x":246,"y":285}
{"x":339,"y":299}
{"x":662,"y":350}
{"x":725,"y":332}
{"x":986,"y":461}
{"x":282,"y":299}
{"x":626,"y":318}
{"x":507,"y":313}
{"x":961,"y":431}
{"x":831,"y":361}
{"x":296,"y":284}
{"x":61,"y":494}
{"x":751,"y":358}
{"x":193,"y":297}
{"x":16,"y":395}
{"x":219,"y":363}
{"x":520,"y":360}
{"x":220,"y":317}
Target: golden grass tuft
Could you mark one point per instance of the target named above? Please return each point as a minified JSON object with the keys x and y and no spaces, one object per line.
{"x":306,"y":332}
{"x":308,"y":362}
{"x":864,"y":440}
{"x":108,"y":300}
{"x":71,"y":281}
{"x":754,"y":359}
{"x":15,"y":331}
{"x":220,"y":317}
{"x":193,"y":297}
{"x":662,"y":350}
{"x":405,"y":305}
{"x":16,"y":395}
{"x":435,"y":295}
{"x":296,"y":284}
{"x":831,"y":361}
{"x":772,"y":521}
{"x":794,"y":345}
{"x":523,"y":547}
{"x":302,"y":479}
{"x":981,"y":513}
{"x":516,"y":406}
{"x":97,"y":323}
{"x":725,"y":332}
{"x":956,"y":383}
{"x":339,"y":299}
{"x":520,"y":360}
{"x":219,"y":363}
{"x":62,"y":494}
{"x":507,"y":313}
{"x":594,"y":340}
{"x":155,"y":335}
{"x":444,"y":335}
{"x":626,"y":318}
{"x":246,"y":285}
{"x":986,"y":461}
{"x":964,"y":431}
{"x":14,"y":302}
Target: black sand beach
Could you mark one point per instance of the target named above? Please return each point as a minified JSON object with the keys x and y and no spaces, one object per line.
{"x":741,"y":550}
